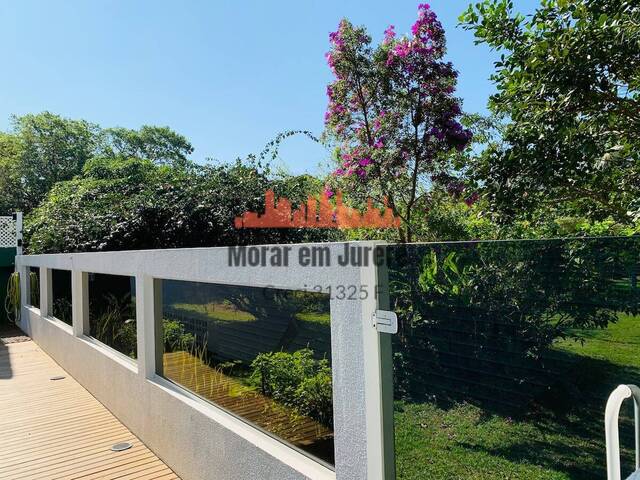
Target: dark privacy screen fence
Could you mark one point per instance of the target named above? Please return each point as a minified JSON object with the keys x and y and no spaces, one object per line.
{"x":506,"y":353}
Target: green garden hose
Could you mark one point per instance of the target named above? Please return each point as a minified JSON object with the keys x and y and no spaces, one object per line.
{"x":12,"y":300}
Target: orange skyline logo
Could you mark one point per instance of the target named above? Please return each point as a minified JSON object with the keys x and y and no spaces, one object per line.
{"x":316,"y":214}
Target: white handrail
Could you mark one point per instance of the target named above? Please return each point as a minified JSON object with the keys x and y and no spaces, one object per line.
{"x":612,"y":412}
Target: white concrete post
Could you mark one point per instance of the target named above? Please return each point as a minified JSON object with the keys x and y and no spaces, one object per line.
{"x":80,"y":302}
{"x":46,"y":292}
{"x":24,"y":296}
{"x":149,"y":325}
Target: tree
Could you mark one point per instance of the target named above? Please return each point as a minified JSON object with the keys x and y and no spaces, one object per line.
{"x":52,"y":149}
{"x":393,"y":116}
{"x":568,"y":84}
{"x":44,"y":148}
{"x":10,"y":185}
{"x":161,"y":145}
{"x":130,"y":203}
{"x":480,"y":318}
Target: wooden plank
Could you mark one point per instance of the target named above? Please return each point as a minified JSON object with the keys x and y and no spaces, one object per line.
{"x":57,"y":430}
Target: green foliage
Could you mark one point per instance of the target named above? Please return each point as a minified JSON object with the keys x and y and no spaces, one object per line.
{"x":44,"y":149}
{"x":175,"y":337}
{"x":297,"y":380}
{"x":34,"y":288}
{"x":11,"y":194}
{"x":128,"y":203}
{"x":52,"y":149}
{"x":161,"y":145}
{"x":495,"y":308}
{"x":568,"y":82}
{"x":314,"y":396}
{"x":115,"y":325}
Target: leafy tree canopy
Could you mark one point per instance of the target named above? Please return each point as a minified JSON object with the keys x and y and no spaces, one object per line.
{"x":45,"y":148}
{"x":52,"y":149}
{"x":394,"y":117}
{"x":568,"y":84}
{"x":130,"y":203}
{"x":161,"y":145}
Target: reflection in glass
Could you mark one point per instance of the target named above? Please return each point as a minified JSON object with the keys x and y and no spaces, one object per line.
{"x":112,"y":312}
{"x":262,"y":354}
{"x":34,"y":286}
{"x":61,"y":290}
{"x":507,"y":352}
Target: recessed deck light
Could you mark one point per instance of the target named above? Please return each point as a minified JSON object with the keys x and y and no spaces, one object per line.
{"x":119,"y":447}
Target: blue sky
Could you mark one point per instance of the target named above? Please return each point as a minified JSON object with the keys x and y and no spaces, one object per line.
{"x":227,"y":75}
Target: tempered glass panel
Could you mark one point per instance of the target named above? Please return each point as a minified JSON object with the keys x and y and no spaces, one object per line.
{"x":34,"y":286}
{"x":112,"y":312}
{"x":61,"y":290}
{"x":261,"y":354}
{"x":506,"y":354}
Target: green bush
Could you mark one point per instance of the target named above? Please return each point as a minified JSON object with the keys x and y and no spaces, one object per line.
{"x":174,"y":336}
{"x":314,"y":396}
{"x":115,"y":325}
{"x":296,"y":380}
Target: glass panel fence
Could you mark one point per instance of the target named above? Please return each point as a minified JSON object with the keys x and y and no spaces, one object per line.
{"x":506,"y":354}
{"x":112,"y":312}
{"x":33,"y":285}
{"x":262,"y":354}
{"x":61,"y":290}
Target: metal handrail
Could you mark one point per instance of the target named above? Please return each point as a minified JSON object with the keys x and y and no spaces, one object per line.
{"x":612,"y":412}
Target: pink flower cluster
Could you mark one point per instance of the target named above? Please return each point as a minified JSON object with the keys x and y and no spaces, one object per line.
{"x":428,"y":38}
{"x":374,"y":101}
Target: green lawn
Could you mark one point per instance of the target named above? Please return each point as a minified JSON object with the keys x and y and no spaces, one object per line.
{"x":215,"y":311}
{"x":467,"y":442}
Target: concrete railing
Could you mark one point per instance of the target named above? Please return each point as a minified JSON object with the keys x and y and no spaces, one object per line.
{"x":196,"y":438}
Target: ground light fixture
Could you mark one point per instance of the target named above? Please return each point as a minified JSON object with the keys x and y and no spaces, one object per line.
{"x":120,"y":447}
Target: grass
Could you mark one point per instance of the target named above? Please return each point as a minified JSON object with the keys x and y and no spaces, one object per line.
{"x":467,"y":442}
{"x":216,"y":311}
{"x":228,"y":313}
{"x":319,"y":318}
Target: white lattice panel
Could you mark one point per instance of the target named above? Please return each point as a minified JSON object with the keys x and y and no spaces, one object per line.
{"x":7,"y":232}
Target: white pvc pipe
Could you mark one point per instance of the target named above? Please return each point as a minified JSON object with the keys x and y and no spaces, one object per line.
{"x":19,"y":233}
{"x":612,"y":412}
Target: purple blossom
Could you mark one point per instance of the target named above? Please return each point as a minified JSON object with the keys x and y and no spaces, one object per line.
{"x":389,"y":34}
{"x":471,"y":199}
{"x":378,"y":143}
{"x":328,"y":192}
{"x":364,"y":162}
{"x":402,"y":49}
{"x":439,"y":134}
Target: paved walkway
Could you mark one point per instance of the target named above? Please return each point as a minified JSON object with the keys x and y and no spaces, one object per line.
{"x":55,"y":429}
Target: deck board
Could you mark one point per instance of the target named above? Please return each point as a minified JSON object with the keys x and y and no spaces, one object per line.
{"x":55,"y":430}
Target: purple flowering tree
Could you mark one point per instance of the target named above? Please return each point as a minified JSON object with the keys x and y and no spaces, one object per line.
{"x":394,"y":119}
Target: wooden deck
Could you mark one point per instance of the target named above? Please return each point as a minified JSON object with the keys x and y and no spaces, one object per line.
{"x":55,"y":429}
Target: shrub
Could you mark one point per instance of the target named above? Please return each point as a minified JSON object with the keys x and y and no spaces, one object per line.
{"x":175,"y":337}
{"x":296,"y":380}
